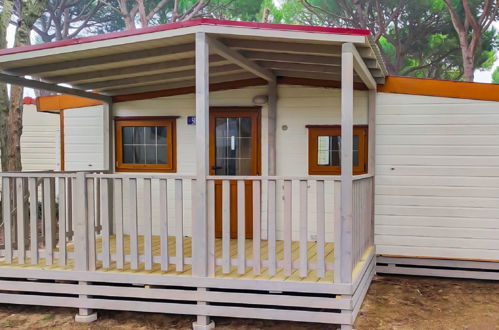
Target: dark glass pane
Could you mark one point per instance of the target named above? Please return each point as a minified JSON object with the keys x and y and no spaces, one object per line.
{"x":150,"y":135}
{"x":161,"y":134}
{"x":221,"y":167}
{"x":138,"y":136}
{"x":221,"y":148}
{"x":335,"y":158}
{"x":231,"y":166}
{"x":244,"y":150}
{"x":355,"y":158}
{"x":245,"y":127}
{"x":127,"y":135}
{"x":140,"y":154}
{"x":161,"y":150}
{"x":233,"y":126}
{"x":221,"y":127}
{"x":150,"y":154}
{"x":244,"y":167}
{"x":355,"y":142}
{"x":128,"y":155}
{"x":335,"y":143}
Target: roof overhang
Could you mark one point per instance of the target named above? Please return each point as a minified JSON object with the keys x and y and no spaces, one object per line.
{"x":162,"y":58}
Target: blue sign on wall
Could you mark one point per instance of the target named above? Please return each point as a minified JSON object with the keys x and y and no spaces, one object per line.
{"x":191,"y":120}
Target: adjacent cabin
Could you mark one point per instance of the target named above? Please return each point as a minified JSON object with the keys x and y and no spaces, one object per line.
{"x":220,"y":168}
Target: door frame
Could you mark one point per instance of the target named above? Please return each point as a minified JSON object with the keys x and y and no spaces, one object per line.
{"x":237,"y":112}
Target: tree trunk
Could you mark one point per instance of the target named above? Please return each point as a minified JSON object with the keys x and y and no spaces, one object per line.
{"x":468,"y":64}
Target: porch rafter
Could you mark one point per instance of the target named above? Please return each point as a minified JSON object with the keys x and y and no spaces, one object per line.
{"x":360,"y":67}
{"x":21,"y":81}
{"x":235,"y":57}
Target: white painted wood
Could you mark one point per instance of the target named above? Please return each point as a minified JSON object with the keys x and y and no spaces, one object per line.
{"x":20,"y":217}
{"x":200,"y":226}
{"x":130,"y":216}
{"x":337,"y":229}
{"x":288,"y":227}
{"x":91,"y":208}
{"x":360,"y":67}
{"x":303,"y":228}
{"x":49,"y":218}
{"x":10,"y":79}
{"x":257,"y":226}
{"x":106,"y":221}
{"x":119,"y":216}
{"x":345,"y":271}
{"x":62,"y":221}
{"x":226,"y":227}
{"x":33,"y":219}
{"x":211,"y":228}
{"x":80,"y":222}
{"x":159,"y":204}
{"x":271,"y":227}
{"x":272,"y":127}
{"x":145,"y":213}
{"x":241,"y":227}
{"x":321,"y":229}
{"x":7,"y":217}
{"x":179,"y":225}
{"x":236,"y":58}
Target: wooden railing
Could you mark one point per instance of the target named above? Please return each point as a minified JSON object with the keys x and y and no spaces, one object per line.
{"x":363,"y":220}
{"x":258,"y":226}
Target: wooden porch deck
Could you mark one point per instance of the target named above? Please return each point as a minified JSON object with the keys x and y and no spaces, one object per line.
{"x":234,"y":274}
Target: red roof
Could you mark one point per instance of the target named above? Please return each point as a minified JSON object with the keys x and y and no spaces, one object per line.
{"x":178,"y":25}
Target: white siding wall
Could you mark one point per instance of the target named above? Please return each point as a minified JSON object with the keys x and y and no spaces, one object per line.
{"x":38,"y":141}
{"x":297,"y":106}
{"x":83,"y":139}
{"x":437,"y":184}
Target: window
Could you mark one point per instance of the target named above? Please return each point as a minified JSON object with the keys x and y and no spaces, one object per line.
{"x":324,"y":143}
{"x":145,"y":144}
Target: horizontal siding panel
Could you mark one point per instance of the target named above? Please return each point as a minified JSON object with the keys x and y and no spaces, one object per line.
{"x":408,"y":129}
{"x":389,"y":98}
{"x":434,"y":221}
{"x":428,"y":211}
{"x":438,"y":160}
{"x":437,"y":171}
{"x":454,"y":232}
{"x":458,"y":119}
{"x":438,"y":191}
{"x":435,"y":109}
{"x":417,"y":151}
{"x":450,"y":181}
{"x":447,"y":242}
{"x":410,"y":140}
{"x":437,"y":252}
{"x":477,"y":202}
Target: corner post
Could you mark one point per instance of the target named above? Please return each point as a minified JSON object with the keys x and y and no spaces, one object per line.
{"x":372,"y":155}
{"x":200,"y":212}
{"x":272,"y":127}
{"x":109,"y":161}
{"x":346,"y":209}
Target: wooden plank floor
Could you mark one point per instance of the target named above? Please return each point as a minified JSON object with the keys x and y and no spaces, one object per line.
{"x":279,"y":276}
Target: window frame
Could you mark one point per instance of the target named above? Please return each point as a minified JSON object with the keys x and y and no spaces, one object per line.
{"x":314,"y":131}
{"x":171,"y":133}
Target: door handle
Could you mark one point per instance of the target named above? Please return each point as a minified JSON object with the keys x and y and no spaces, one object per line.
{"x":216,"y":168}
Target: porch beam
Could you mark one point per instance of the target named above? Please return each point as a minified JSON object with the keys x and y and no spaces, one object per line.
{"x":346,"y":208}
{"x":104,"y":59}
{"x":360,"y":67}
{"x":292,"y":58}
{"x":114,"y":73}
{"x":20,"y":81}
{"x":275,"y":65}
{"x":200,"y":228}
{"x":236,"y":58}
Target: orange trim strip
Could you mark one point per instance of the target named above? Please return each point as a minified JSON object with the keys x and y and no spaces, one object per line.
{"x":62,"y":102}
{"x":441,"y":88}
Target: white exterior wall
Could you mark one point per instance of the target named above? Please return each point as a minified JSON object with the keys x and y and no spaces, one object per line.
{"x":39,"y":150}
{"x":437,"y":177}
{"x":83,"y":139}
{"x":297,"y":106}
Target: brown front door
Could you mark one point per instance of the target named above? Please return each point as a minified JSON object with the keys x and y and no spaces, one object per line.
{"x":234,"y":151}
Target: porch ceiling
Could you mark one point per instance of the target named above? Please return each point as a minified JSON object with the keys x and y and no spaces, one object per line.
{"x":150,"y":62}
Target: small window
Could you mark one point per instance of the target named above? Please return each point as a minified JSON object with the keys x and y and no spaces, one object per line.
{"x":145,"y":144}
{"x":324,"y":143}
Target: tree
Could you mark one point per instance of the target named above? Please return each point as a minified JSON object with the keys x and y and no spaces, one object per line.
{"x":471,"y":20}
{"x":495,"y":76}
{"x":24,"y":13}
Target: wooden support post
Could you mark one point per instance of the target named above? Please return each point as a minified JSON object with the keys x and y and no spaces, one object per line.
{"x":200,"y":194}
{"x":346,"y":216}
{"x":272,"y":127}
{"x":372,"y":156}
{"x":109,"y":160}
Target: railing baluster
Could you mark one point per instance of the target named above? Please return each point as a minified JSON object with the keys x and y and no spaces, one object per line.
{"x":33,"y":215}
{"x":7,"y":219}
{"x":271,"y":225}
{"x":92,"y":255}
{"x":303,"y":228}
{"x":211,"y":228}
{"x":257,"y":216}
{"x":226,"y":253}
{"x":146,"y":214}
{"x":179,"y":225}
{"x":69,"y":209}
{"x":119,"y":209}
{"x":106,"y":223}
{"x":241,"y":227}
{"x":132,"y":222}
{"x":20,"y":210}
{"x":288,"y":227}
{"x":321,"y":267}
{"x":62,"y":222}
{"x":49,"y":218}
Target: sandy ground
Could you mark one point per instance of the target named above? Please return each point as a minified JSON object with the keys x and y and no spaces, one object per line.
{"x":393,"y":302}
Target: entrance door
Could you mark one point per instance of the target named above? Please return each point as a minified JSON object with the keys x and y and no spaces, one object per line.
{"x":234,"y":151}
